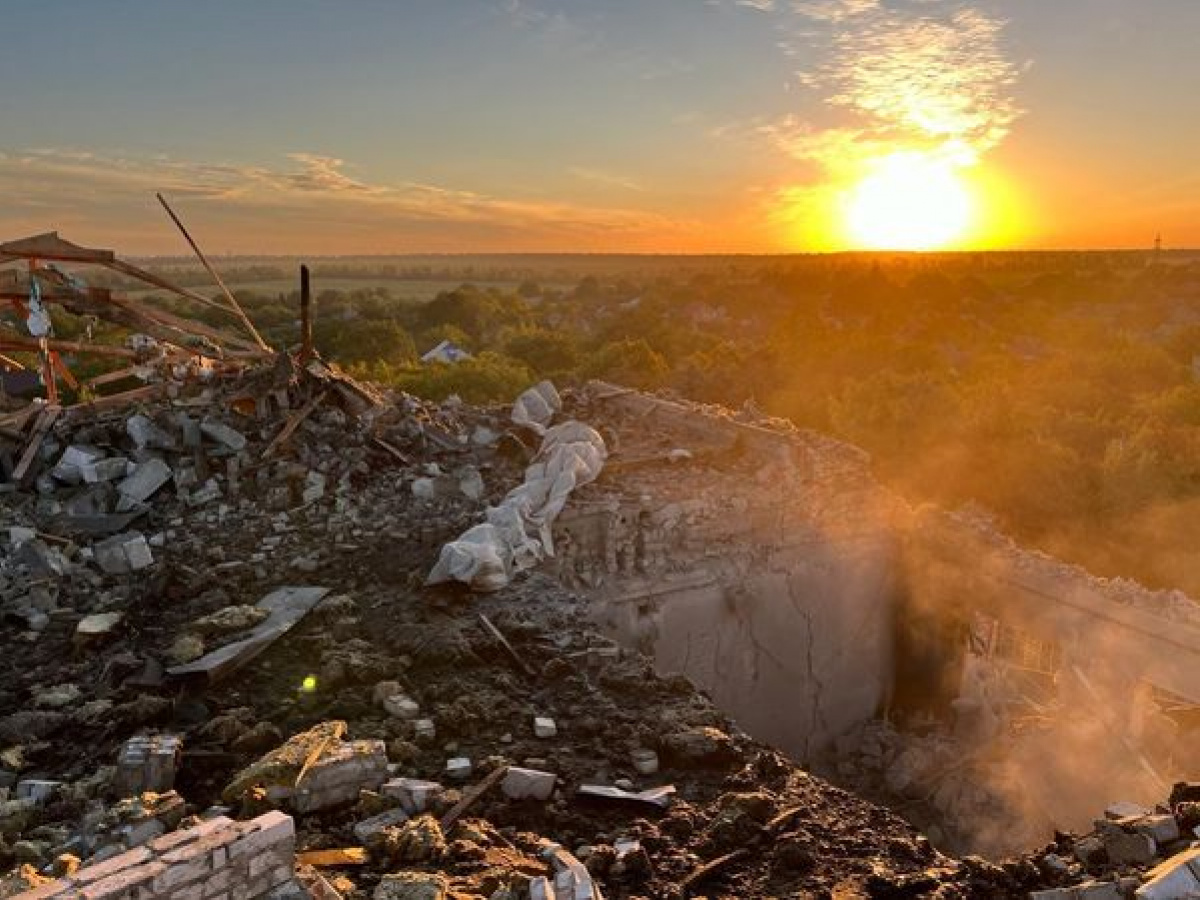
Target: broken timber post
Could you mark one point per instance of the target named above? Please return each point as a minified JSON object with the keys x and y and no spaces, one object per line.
{"x":306,"y":324}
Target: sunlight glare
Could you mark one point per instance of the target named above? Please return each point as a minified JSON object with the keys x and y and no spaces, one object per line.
{"x":909,"y":201}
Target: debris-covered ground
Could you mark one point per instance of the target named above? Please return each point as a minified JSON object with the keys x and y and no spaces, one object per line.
{"x":234,"y":579}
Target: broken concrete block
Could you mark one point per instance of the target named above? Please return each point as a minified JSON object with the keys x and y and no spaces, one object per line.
{"x":1088,"y":849}
{"x":401,"y":706}
{"x":223,"y":434}
{"x":314,"y":487}
{"x":544,"y":727}
{"x":645,"y":762}
{"x":147,"y":763}
{"x":1173,"y":878}
{"x":108,"y":469}
{"x":470,"y":483}
{"x":18,"y":535}
{"x":415,"y":796}
{"x":1125,"y":810}
{"x":368,"y":827}
{"x":1125,"y":849}
{"x":412,"y":886}
{"x":521,"y":784}
{"x":1098,"y":890}
{"x":57,"y":697}
{"x":96,"y":628}
{"x":571,"y":878}
{"x":36,"y":789}
{"x":146,"y":478}
{"x":337,"y":777}
{"x":1163,"y":828}
{"x":144,"y":433}
{"x":74,"y":460}
{"x":206,"y":493}
{"x":137,"y":833}
{"x":123,"y":553}
{"x":458,"y":768}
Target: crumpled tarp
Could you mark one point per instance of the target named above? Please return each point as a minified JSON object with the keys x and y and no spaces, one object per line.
{"x":516,"y":534}
{"x":535,"y":408}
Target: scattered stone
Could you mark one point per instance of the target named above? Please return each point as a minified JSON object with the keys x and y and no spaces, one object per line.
{"x":123,"y":553}
{"x":411,"y":886}
{"x":522,"y":784}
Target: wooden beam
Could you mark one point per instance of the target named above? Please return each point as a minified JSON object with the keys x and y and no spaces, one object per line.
{"x":40,"y":430}
{"x":18,"y":342}
{"x":187,"y":327}
{"x":234,"y":305}
{"x":51,"y":246}
{"x":292,"y":424}
{"x":148,"y":392}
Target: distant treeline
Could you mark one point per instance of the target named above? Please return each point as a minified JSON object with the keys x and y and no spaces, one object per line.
{"x":1059,"y":391}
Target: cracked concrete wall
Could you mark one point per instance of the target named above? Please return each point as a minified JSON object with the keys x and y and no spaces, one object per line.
{"x":772,"y":570}
{"x":762,"y":569}
{"x":1114,"y":630}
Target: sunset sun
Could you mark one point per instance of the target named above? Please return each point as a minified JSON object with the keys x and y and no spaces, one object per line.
{"x":908,"y":201}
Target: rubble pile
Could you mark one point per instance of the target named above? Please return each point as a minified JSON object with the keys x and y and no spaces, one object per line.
{"x":1132,"y":852}
{"x":225,"y":676}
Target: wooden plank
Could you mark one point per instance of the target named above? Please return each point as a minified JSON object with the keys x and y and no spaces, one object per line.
{"x":110,"y":377}
{"x":40,"y":430}
{"x":471,"y":796}
{"x":125,"y":398}
{"x":50,"y":246}
{"x":392,"y":450}
{"x":233,"y":304}
{"x":292,"y":424}
{"x":188,"y":327}
{"x":503,"y":641}
{"x":119,"y":265}
{"x":18,"y":342}
{"x":287,"y":606}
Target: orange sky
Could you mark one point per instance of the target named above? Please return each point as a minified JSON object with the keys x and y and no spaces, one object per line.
{"x":532,"y":125}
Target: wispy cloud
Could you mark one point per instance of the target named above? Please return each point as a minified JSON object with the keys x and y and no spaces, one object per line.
{"x":308,"y":204}
{"x":932,"y":75}
{"x":606,"y":179}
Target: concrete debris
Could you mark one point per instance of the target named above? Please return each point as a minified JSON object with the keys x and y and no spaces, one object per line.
{"x":313,"y":770}
{"x":522,"y":784}
{"x":145,"y":480}
{"x":123,"y":553}
{"x":414,"y":795}
{"x":147,"y":763}
{"x":659,"y":796}
{"x":411,"y":886}
{"x":255,"y":856}
{"x":365,"y":829}
{"x":238,"y":485}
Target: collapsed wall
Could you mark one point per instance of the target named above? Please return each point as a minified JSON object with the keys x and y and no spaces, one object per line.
{"x":1077,"y":686}
{"x":767,"y":565}
{"x":758,"y":562}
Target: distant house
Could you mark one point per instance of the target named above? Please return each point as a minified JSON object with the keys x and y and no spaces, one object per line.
{"x":446,"y":352}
